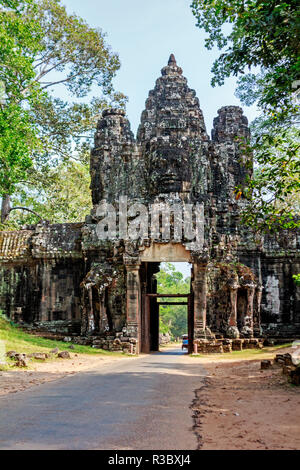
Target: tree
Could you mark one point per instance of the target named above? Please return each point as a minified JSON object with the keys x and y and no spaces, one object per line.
{"x":63,"y":197}
{"x":273,"y":194}
{"x":262,"y":34}
{"x":72,"y":55}
{"x":172,"y":319}
{"x":19,"y":41}
{"x":296,"y":278}
{"x":17,"y":141}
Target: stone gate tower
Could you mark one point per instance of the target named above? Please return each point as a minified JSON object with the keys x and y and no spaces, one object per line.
{"x":66,"y":278}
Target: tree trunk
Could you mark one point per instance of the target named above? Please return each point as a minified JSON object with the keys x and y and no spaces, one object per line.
{"x":5,"y":207}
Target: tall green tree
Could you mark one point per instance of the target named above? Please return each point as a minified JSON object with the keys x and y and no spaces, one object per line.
{"x":69,"y":55}
{"x":262,"y":37}
{"x":19,"y":42}
{"x":63,"y":197}
{"x":263,"y":33}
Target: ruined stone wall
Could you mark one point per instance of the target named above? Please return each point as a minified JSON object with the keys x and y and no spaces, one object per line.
{"x":42,"y":291}
{"x":41,"y":270}
{"x":280,"y":298}
{"x":19,"y":292}
{"x":274,"y":267}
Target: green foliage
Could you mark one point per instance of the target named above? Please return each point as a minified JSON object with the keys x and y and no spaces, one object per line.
{"x":262,"y":35}
{"x":296,"y":278}
{"x":17,"y":340}
{"x":20,"y":39}
{"x":63,"y":196}
{"x":19,"y":42}
{"x":76,"y":52}
{"x":43,"y":47}
{"x":18,"y":138}
{"x":273,"y":193}
{"x":172,"y":318}
{"x":76,"y":57}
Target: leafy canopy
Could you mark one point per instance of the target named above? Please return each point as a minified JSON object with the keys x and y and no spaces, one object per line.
{"x":262,"y":37}
{"x":19,"y":42}
{"x":262,"y":33}
{"x":44,"y":50}
{"x":63,"y":196}
{"x":76,"y":52}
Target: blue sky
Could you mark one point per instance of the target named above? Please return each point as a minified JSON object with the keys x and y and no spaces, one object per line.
{"x":144,"y":34}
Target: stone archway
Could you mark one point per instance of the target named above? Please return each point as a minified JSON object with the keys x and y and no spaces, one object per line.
{"x":138,"y":288}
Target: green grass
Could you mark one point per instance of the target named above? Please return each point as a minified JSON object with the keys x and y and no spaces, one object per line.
{"x":267,"y":352}
{"x":17,"y":340}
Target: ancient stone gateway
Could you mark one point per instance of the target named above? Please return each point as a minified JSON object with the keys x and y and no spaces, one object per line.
{"x":168,"y":195}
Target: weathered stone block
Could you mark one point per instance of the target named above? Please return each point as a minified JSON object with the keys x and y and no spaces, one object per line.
{"x":295,"y":376}
{"x":287,"y":370}
{"x":266,"y":364}
{"x":39,"y":356}
{"x":11,"y":354}
{"x":54,"y":351}
{"x":64,"y":355}
{"x":288,"y":360}
{"x":245,"y":343}
{"x":237,"y":345}
{"x":227,"y":348}
{"x":214,"y":348}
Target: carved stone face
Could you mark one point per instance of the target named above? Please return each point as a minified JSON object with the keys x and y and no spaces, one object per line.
{"x":168,"y":170}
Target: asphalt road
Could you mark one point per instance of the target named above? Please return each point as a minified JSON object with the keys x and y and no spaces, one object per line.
{"x":138,"y":404}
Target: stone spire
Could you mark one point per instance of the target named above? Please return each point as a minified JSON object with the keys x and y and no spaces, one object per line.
{"x":172,"y":60}
{"x":172,"y":107}
{"x":112,"y":149}
{"x":172,"y":130}
{"x":172,"y":67}
{"x":230,"y":124}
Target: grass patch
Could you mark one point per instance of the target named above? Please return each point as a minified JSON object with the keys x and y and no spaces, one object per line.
{"x":15,"y":339}
{"x":267,"y":352}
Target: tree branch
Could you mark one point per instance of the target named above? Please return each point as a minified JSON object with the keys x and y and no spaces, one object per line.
{"x":56,"y":83}
{"x":25,"y":209}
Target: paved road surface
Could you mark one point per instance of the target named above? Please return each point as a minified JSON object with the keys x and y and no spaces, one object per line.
{"x":136,"y":404}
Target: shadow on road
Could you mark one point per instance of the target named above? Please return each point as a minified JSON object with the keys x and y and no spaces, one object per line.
{"x":127,"y":405}
{"x":176,"y":352}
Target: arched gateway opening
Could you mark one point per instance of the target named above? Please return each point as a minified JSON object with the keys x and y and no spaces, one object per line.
{"x":144,"y":300}
{"x":154,"y":299}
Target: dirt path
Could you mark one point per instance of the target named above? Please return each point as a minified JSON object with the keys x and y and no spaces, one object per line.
{"x":241,"y":407}
{"x":132,"y":404}
{"x":13,"y":381}
{"x":238,"y":407}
